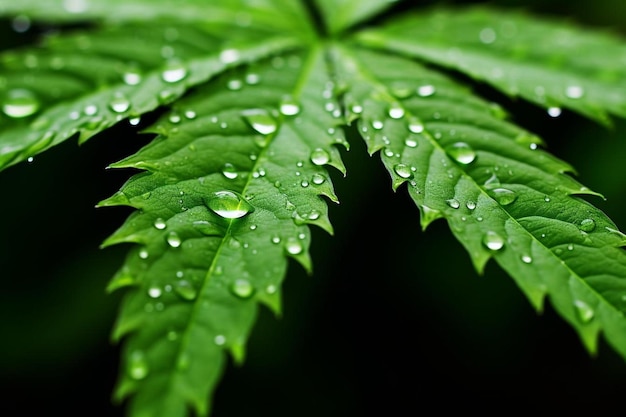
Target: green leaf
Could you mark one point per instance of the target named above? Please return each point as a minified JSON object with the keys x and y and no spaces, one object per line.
{"x":84,"y":83}
{"x":550,"y":63}
{"x":339,"y":15}
{"x":232,"y":182}
{"x":503,"y":197}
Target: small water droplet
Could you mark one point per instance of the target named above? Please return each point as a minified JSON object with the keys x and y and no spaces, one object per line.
{"x":252,"y":78}
{"x":454,"y":203}
{"x":185,"y":290}
{"x":318,"y":179}
{"x":293,"y":246}
{"x":119,"y":104}
{"x":410,"y":142}
{"x":174,"y":72}
{"x":229,"y":205}
{"x":461,"y":152}
{"x":242,"y":288}
{"x":155,"y":292}
{"x":143,"y":253}
{"x":377,"y":124}
{"x":425,"y":90}
{"x":584,"y":311}
{"x":554,"y":111}
{"x":396,"y":111}
{"x":319,"y":156}
{"x":356,"y":109}
{"x":487,"y":36}
{"x":131,"y":78}
{"x":160,"y":224}
{"x":173,"y":239}
{"x":289,"y":107}
{"x":402,"y":170}
{"x":219,"y":340}
{"x":228,"y":56}
{"x":470,"y":205}
{"x":271,"y":289}
{"x":587,"y":225}
{"x":138,"y":365}
{"x":261,"y":121}
{"x":574,"y":91}
{"x":503,"y":196}
{"x":526,"y":259}
{"x":415,"y":125}
{"x":19,"y":103}
{"x":229,"y":171}
{"x":493,"y":241}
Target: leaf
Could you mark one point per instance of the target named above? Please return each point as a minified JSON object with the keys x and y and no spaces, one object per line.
{"x":203,"y":264}
{"x":550,"y":63}
{"x":339,"y":15}
{"x":83,"y":84}
{"x":502,"y":196}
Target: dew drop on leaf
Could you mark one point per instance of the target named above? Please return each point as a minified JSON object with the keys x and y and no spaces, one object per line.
{"x":503,"y":196}
{"x":527,"y":259}
{"x":174,"y":73}
{"x":219,"y":340}
{"x":454,"y":203}
{"x":173,"y":239}
{"x":229,"y":171}
{"x":293,"y":246}
{"x":425,"y":90}
{"x":554,"y":111}
{"x":242,"y":288}
{"x":415,"y":125}
{"x":318,"y":179}
{"x":185,"y":290}
{"x":228,"y":56}
{"x":288,"y":107}
{"x":319,"y":156}
{"x":138,"y":365}
{"x":584,"y":311}
{"x":261,"y":121}
{"x":461,"y":152}
{"x":396,"y":111}
{"x":20,"y":103}
{"x":155,"y":292}
{"x":131,"y":78}
{"x":493,"y":241}
{"x":119,"y":104}
{"x":143,"y":253}
{"x":574,"y":91}
{"x":229,"y":205}
{"x":470,"y":205}
{"x":587,"y":225}
{"x":159,"y":223}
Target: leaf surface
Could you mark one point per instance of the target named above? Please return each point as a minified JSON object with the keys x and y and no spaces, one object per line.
{"x":503,"y":197}
{"x":550,"y":63}
{"x":205,"y":261}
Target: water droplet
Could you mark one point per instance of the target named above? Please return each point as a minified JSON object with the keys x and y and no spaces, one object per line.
{"x":228,"y":56}
{"x":143,"y":253}
{"x":119,"y":104}
{"x":415,"y":125}
{"x":526,"y":259}
{"x":410,"y":142}
{"x":319,"y":156}
{"x":470,"y":205}
{"x":587,"y":225}
{"x":487,"y":36}
{"x":584,"y":311}
{"x":554,"y":111}
{"x":229,"y":171}
{"x":261,"y":121}
{"x":396,"y":111}
{"x":454,"y":203}
{"x":137,"y":365}
{"x":503,"y":196}
{"x":574,"y":91}
{"x":160,"y":224}
{"x":318,"y":179}
{"x":155,"y":292}
{"x":493,"y":241}
{"x":377,"y":124}
{"x":402,"y":170}
{"x":20,"y":103}
{"x":229,"y":204}
{"x":289,"y":107}
{"x":185,"y":290}
{"x":293,"y":246}
{"x":252,"y":79}
{"x":173,"y":239}
{"x":425,"y":90}
{"x":131,"y":78}
{"x":461,"y":152}
{"x":174,"y":73}
{"x":90,"y":109}
{"x":356,"y":109}
{"x":242,"y":288}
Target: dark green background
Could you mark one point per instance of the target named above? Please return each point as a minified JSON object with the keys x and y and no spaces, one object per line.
{"x":392,"y":317}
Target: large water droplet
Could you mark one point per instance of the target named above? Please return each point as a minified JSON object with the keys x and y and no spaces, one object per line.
{"x":461,"y":152}
{"x":584,"y":311}
{"x":319,"y":156}
{"x":493,"y":241}
{"x":229,"y":171}
{"x":415,"y":125}
{"x":229,"y":204}
{"x":587,"y":225}
{"x":503,"y":196}
{"x":20,"y":103}
{"x":173,"y":239}
{"x":293,"y":246}
{"x":261,"y":121}
{"x":289,"y":107}
{"x":119,"y":104}
{"x":185,"y":290}
{"x":242,"y":288}
{"x":454,"y":203}
{"x":402,"y":170}
{"x":174,"y":73}
{"x":159,"y":223}
{"x":155,"y":292}
{"x":425,"y":90}
{"x":138,"y":365}
{"x":396,"y":111}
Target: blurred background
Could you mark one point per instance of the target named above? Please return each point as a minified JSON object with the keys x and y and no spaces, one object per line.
{"x":392,"y":317}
